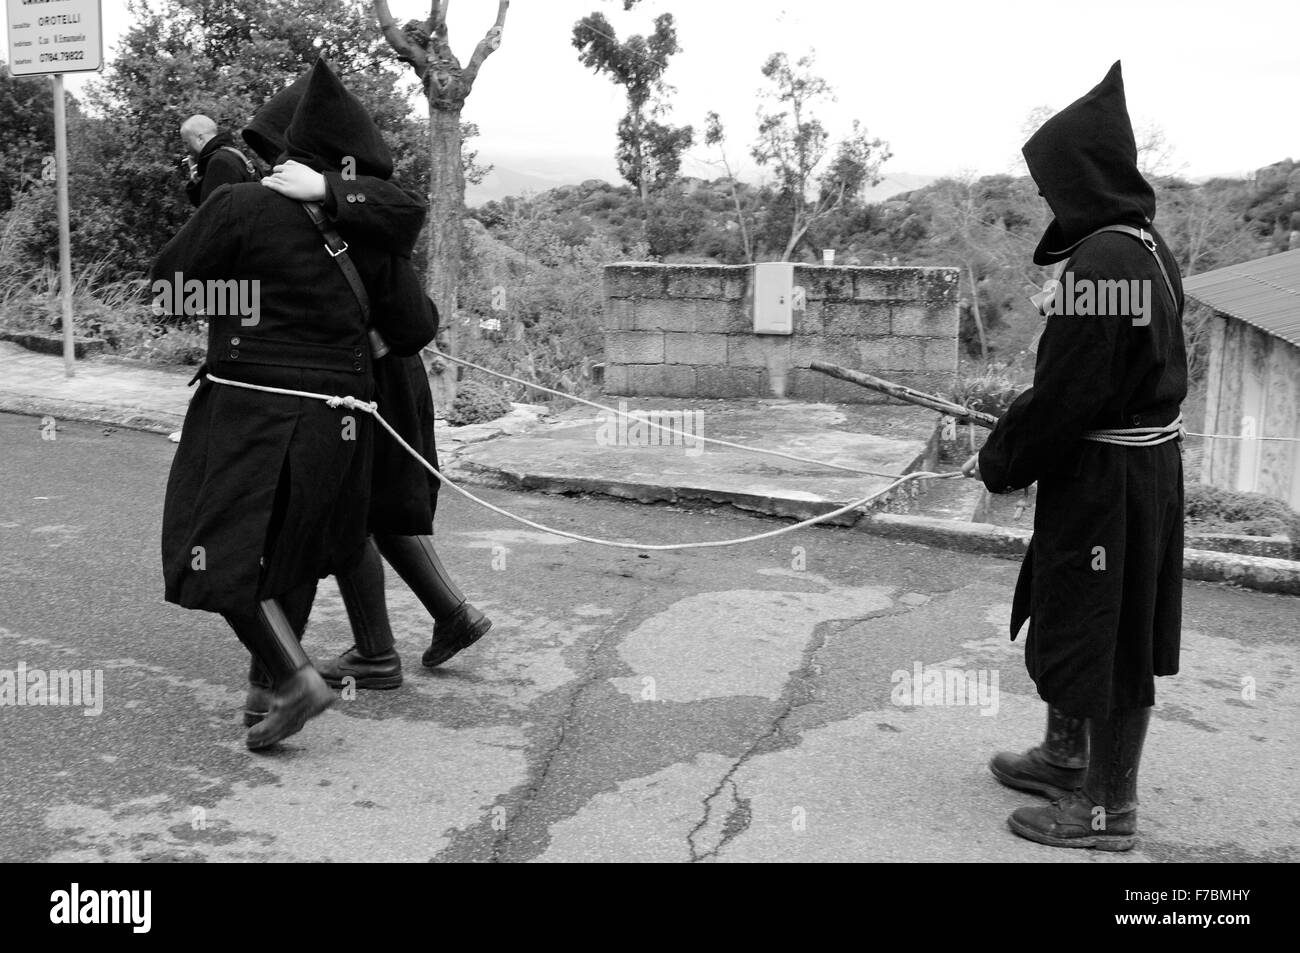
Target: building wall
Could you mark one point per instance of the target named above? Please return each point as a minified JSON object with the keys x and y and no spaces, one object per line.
{"x":685,"y":331}
{"x":1254,"y":381}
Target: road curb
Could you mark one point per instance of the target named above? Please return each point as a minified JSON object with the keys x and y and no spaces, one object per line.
{"x":1261,"y":573}
{"x":149,"y":421}
{"x":984,"y":539}
{"x":761,"y":504}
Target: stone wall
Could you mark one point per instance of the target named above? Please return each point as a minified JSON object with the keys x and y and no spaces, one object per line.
{"x":686,"y":331}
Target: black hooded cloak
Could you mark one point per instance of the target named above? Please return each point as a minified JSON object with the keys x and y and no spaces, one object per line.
{"x":268,"y":492}
{"x":374,"y":210}
{"x":1101,"y":583}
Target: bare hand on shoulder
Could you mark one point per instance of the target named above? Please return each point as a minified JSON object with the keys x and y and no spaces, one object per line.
{"x":296,"y":181}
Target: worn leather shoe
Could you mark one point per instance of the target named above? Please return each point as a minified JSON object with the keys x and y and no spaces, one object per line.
{"x":303,"y":696}
{"x":379,"y":671}
{"x":462,"y":630}
{"x":1076,"y":821}
{"x":1034,"y":773}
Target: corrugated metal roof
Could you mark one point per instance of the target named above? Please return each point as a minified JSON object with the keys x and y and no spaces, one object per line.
{"x":1264,"y":293}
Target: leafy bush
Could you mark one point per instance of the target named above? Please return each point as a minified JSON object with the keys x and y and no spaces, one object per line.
{"x":531,"y":300}
{"x":476,"y":403}
{"x":991,"y":390}
{"x":1213,"y":509}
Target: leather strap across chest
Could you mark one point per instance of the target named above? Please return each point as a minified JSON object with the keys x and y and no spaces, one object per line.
{"x":1148,"y":241}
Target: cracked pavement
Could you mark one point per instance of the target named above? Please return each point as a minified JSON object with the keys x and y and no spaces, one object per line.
{"x":747,"y":704}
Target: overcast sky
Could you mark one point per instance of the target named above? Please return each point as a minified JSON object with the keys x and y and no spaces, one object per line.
{"x":948,"y":83}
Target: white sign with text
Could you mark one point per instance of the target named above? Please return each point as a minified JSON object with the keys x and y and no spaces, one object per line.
{"x":55,"y":36}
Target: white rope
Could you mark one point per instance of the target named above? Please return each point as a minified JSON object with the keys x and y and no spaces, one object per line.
{"x":611,"y":410}
{"x":372,"y":408}
{"x":1138,"y":436}
{"x":1233,"y":436}
{"x":1154,"y":436}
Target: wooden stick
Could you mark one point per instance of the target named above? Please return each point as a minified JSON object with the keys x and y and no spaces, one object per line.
{"x":906,"y":394}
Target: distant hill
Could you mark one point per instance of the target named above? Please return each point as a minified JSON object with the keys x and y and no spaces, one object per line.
{"x":520,"y":175}
{"x":896,"y":183}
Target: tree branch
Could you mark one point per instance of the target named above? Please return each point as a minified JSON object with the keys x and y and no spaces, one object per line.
{"x":406,"y":50}
{"x":487,"y":45}
{"x":438,"y":16}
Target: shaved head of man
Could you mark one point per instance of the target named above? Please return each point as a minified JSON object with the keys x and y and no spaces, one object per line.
{"x":196,"y":132}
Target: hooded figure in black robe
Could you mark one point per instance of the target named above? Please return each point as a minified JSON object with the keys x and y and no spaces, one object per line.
{"x":376,"y":211}
{"x":1101,"y":583}
{"x":269,"y":493}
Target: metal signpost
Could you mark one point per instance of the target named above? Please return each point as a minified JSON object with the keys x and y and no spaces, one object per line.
{"x":53,"y":37}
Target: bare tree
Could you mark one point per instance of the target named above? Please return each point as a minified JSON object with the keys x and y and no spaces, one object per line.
{"x":715,"y":135}
{"x":425,"y":46}
{"x":794,"y":142}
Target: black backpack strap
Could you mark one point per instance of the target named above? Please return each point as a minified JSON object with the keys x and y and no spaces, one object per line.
{"x":248,"y":163}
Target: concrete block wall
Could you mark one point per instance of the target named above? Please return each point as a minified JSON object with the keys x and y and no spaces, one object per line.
{"x":686,"y":331}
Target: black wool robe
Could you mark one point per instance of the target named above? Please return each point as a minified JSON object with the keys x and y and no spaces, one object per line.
{"x":1101,"y":583}
{"x":268,"y":492}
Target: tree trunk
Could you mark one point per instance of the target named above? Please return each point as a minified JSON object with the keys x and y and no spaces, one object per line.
{"x":796,"y":235}
{"x":425,"y":47}
{"x":445,"y":223}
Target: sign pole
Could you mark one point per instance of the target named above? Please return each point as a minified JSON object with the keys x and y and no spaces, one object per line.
{"x":50,"y":38}
{"x":65,"y":243}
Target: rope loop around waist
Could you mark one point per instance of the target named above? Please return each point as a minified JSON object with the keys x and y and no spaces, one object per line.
{"x":1139,"y":436}
{"x":351,"y":403}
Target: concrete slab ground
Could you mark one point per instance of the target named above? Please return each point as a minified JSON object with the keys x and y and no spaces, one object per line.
{"x":590,"y":452}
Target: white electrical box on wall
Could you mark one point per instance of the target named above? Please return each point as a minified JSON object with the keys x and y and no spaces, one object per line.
{"x":771,"y":297}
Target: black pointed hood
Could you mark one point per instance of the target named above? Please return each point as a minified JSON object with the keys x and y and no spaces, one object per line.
{"x":1084,"y":161}
{"x":331,"y":124}
{"x":265,"y":134}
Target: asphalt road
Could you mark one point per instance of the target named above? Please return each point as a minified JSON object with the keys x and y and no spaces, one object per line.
{"x":731,"y":705}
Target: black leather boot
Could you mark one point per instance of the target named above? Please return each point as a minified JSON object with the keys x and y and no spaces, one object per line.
{"x":258,"y":700}
{"x":1103,"y":815}
{"x":457,"y":624}
{"x":466,"y":626}
{"x":297,"y":607}
{"x":1054,"y":768}
{"x":299,"y":693}
{"x":372,"y":662}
